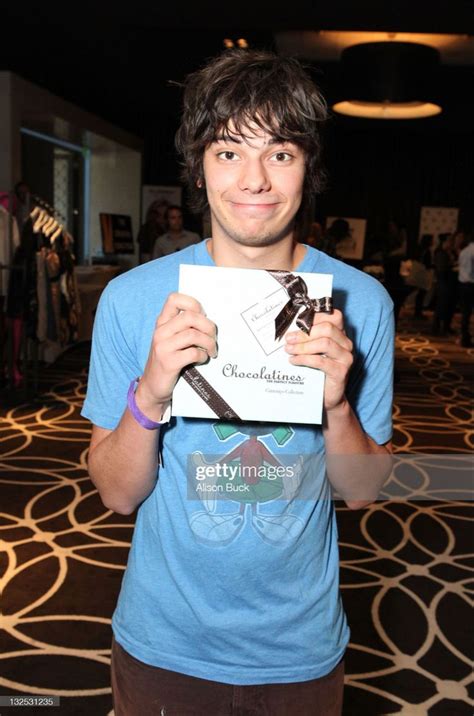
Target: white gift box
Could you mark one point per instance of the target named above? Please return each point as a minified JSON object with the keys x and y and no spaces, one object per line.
{"x":252,"y":375}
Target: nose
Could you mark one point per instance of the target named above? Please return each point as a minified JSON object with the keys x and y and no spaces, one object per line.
{"x":254,"y":177}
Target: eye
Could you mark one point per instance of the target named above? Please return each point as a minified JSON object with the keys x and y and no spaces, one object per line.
{"x":282,"y":157}
{"x":227,"y":155}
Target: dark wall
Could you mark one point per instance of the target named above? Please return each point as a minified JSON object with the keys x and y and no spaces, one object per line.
{"x":38,"y":166}
{"x":378,"y":170}
{"x":390,"y":172}
{"x":129,"y":73}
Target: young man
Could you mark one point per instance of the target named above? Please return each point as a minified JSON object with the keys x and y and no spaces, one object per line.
{"x":228,"y":608}
{"x":176,"y":237}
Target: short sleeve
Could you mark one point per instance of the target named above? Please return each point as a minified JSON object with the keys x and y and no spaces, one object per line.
{"x":370,"y":387}
{"x":113,"y":365}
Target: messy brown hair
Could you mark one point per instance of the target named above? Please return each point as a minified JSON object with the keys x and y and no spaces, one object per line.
{"x":244,"y":87}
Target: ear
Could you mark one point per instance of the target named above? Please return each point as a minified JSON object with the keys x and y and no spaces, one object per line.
{"x":199,"y":183}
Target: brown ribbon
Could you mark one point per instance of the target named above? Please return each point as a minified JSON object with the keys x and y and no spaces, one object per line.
{"x":299,"y":299}
{"x":210,"y":396}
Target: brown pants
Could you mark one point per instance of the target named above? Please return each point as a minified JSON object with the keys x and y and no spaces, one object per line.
{"x":139,"y":690}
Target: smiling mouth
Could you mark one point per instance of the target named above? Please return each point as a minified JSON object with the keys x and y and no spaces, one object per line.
{"x":266,"y":205}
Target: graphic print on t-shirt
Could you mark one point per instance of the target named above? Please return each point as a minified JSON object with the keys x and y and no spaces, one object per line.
{"x":254,"y":481}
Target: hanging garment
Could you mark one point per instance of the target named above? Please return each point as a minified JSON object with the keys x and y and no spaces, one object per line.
{"x":58,"y":298}
{"x":9,"y":242}
{"x":70,"y":303}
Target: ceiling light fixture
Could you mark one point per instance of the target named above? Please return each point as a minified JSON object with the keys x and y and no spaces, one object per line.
{"x":327,"y":45}
{"x":241,"y":42}
{"x":389,"y":80}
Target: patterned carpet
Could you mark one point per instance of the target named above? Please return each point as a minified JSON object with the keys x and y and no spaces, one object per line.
{"x":409,"y":562}
{"x":406,"y":562}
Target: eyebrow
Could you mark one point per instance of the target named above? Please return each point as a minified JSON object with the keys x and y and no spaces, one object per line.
{"x":235,"y":139}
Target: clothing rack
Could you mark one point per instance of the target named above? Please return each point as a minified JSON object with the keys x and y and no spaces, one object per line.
{"x":28,"y":348}
{"x":52,"y":211}
{"x":6,"y":344}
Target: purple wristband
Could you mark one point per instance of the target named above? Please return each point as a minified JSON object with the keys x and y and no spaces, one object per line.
{"x":136,"y":412}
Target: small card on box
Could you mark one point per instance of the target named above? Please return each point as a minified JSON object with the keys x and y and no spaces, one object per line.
{"x":252,"y":373}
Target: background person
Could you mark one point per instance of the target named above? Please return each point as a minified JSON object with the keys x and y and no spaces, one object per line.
{"x":315,"y":235}
{"x":466,"y":289}
{"x":155,"y":225}
{"x":445,"y":290}
{"x":176,"y":236}
{"x":338,"y":236}
{"x":423,"y":256}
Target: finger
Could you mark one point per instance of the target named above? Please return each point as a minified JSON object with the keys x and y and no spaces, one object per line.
{"x":321,"y":346}
{"x":336,"y":318}
{"x":173,"y":362}
{"x":175,"y":303}
{"x":332,"y":333}
{"x":336,"y":370}
{"x":323,"y":322}
{"x":322,"y":331}
{"x":191,"y":356}
{"x":192,"y":338}
{"x":183,"y":321}
{"x":329,"y":326}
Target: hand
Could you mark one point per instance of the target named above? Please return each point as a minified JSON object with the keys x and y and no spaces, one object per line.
{"x":327,"y":348}
{"x":182,"y":335}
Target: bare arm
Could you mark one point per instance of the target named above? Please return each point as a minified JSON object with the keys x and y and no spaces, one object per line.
{"x":357,"y":466}
{"x":123,"y":463}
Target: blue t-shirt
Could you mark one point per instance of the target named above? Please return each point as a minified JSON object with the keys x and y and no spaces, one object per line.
{"x":236,"y":589}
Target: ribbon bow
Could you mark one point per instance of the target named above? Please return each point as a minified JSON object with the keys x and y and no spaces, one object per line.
{"x":299,"y":299}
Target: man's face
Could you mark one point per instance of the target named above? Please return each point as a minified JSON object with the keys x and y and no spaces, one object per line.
{"x":175,"y":220}
{"x":254,"y":187}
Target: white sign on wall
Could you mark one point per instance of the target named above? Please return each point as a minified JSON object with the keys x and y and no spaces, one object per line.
{"x":437,"y":220}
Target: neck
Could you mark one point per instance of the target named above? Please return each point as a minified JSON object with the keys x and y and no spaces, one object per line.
{"x":286,"y":255}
